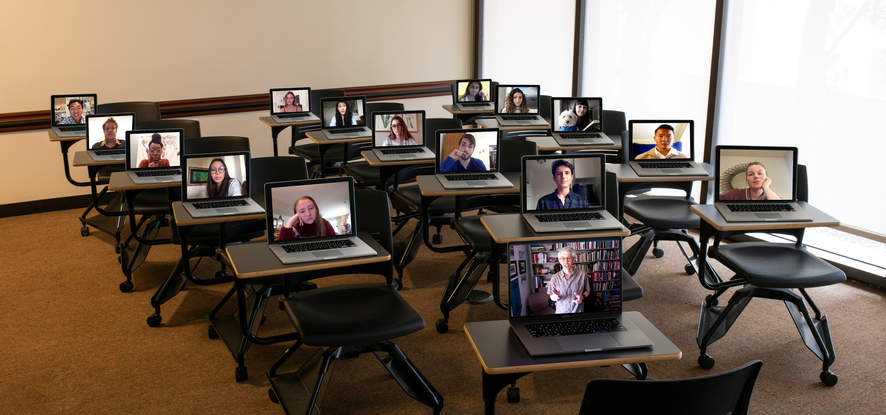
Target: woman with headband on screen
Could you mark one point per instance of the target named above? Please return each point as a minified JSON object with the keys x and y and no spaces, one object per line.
{"x":400,"y":135}
{"x":306,"y":222}
{"x":516,"y":102}
{"x":758,"y":185}
{"x":220,"y":183}
{"x":155,"y":153}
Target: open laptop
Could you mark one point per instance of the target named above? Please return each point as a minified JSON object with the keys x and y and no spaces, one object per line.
{"x":291,"y":104}
{"x":580,"y":179}
{"x":217,"y":185}
{"x":468,"y":159}
{"x":400,"y":135}
{"x":153,"y":156}
{"x":69,"y":113}
{"x":108,"y":128}
{"x":473,"y":95}
{"x":758,"y":184}
{"x":663,"y":148}
{"x":313,"y":220}
{"x":517,"y":105}
{"x":578,"y":121}
{"x":545,"y":312}
{"x":344,"y":117}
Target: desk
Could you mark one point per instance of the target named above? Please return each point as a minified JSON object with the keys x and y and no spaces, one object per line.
{"x":465,"y":115}
{"x":104,"y":221}
{"x":320,"y":138}
{"x":504,"y":360}
{"x":387,"y":169}
{"x":278,"y":127}
{"x":65,"y":144}
{"x":547,"y":144}
{"x":493,"y":123}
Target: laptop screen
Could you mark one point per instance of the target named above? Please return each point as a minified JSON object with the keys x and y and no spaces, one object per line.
{"x":564,"y":277}
{"x":215,"y":176}
{"x":344,"y":112}
{"x":578,"y":114}
{"x":152,"y":149}
{"x":290,"y":100}
{"x":562,"y":183}
{"x":405,"y":128}
{"x":756,"y":173}
{"x":108,"y":131}
{"x":473,"y":90}
{"x":72,"y":109}
{"x":517,"y":99}
{"x":661,"y":139}
{"x":467,"y":150}
{"x":310,"y":209}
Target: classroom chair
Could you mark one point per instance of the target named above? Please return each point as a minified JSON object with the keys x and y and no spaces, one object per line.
{"x":144,"y":110}
{"x":191,"y":127}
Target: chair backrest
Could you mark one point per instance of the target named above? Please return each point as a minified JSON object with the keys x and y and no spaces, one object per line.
{"x":191,"y":127}
{"x":614,"y":123}
{"x":612,"y":194}
{"x":802,"y":183}
{"x":544,"y":107}
{"x":434,"y":124}
{"x":216,"y":144}
{"x":144,"y":110}
{"x":374,"y":218}
{"x":511,"y":154}
{"x":725,"y":393}
{"x":274,"y":169}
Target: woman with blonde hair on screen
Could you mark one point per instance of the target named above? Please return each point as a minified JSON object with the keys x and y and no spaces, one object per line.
{"x":291,"y":103}
{"x":306,"y":222}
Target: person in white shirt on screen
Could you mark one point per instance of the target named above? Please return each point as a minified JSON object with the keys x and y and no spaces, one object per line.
{"x":664,"y":142}
{"x":344,"y":116}
{"x":569,"y":287}
{"x":220,"y":184}
{"x":400,"y":135}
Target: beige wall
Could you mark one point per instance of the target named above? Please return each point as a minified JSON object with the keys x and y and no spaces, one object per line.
{"x":167,"y":50}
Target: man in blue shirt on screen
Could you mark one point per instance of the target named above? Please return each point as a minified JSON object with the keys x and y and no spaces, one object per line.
{"x":563,"y":197}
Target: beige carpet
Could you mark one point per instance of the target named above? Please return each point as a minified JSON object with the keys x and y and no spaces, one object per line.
{"x":73,"y":343}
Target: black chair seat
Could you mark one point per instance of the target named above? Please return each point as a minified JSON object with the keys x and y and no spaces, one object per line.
{"x":363,"y":173}
{"x":470,"y":228}
{"x":352,"y":315}
{"x":412,"y":196}
{"x":772,"y":265}
{"x":662,"y":212}
{"x":151,"y":201}
{"x":312,"y":152}
{"x":233,"y":232}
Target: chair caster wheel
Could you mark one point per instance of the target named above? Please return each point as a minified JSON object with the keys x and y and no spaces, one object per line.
{"x":273,"y":396}
{"x":711,"y":301}
{"x":84,"y":231}
{"x":689,"y":269}
{"x":437,"y":239}
{"x":240,"y":374}
{"x":828,"y":378}
{"x":212,"y":333}
{"x":154,"y":320}
{"x":117,"y":251}
{"x":281,"y":305}
{"x":657,"y":252}
{"x":396,"y":284}
{"x":513,"y":394}
{"x":126,"y":286}
{"x":706,"y":362}
{"x":442,"y":326}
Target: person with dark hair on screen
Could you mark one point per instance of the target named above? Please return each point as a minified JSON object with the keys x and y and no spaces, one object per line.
{"x":582,"y":110}
{"x":155,"y":153}
{"x":344,"y":116}
{"x":400,"y":135}
{"x":664,"y":145}
{"x":758,"y":185}
{"x":474,"y":92}
{"x":220,"y":183}
{"x":562,"y":197}
{"x":75,"y":113}
{"x":110,"y":130}
{"x":291,"y":103}
{"x":460,"y":158}
{"x":306,"y":222}
{"x":515,"y":102}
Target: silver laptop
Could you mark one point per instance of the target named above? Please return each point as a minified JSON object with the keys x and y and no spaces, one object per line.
{"x":313,"y":220}
{"x":69,"y":113}
{"x":468,"y":159}
{"x":291,"y":105}
{"x":517,"y":105}
{"x":217,"y":185}
{"x":565,"y":297}
{"x":473,"y":95}
{"x":399,"y":136}
{"x":578,"y":121}
{"x":106,"y":135}
{"x":758,"y":184}
{"x":154,"y":156}
{"x":565,"y":193}
{"x":663,"y":148}
{"x":344,"y":117}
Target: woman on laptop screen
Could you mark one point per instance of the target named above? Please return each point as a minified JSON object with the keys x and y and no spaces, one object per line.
{"x":474,"y":92}
{"x":758,"y":185}
{"x":344,"y":115}
{"x":291,"y":103}
{"x":220,"y":184}
{"x":562,"y":197}
{"x":306,"y":222}
{"x":516,"y":102}
{"x":460,"y":159}
{"x":569,"y":287}
{"x":110,"y":130}
{"x":400,"y":135}
{"x":155,"y":153}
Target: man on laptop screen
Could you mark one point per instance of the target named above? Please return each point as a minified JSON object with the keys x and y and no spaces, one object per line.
{"x":400,"y":136}
{"x":106,"y":135}
{"x":69,"y":113}
{"x":463,"y":155}
{"x":663,"y":148}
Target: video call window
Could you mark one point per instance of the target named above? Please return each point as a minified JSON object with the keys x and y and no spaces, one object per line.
{"x":579,"y":177}
{"x":477,"y":90}
{"x":517,"y":99}
{"x":155,"y":149}
{"x":216,"y":177}
{"x":70,"y":110}
{"x":755,"y":174}
{"x":104,"y":131}
{"x":543,"y":277}
{"x":310,"y":211}
{"x":661,"y":140}
{"x":399,"y":129}
{"x":286,"y":101}
{"x":344,"y":112}
{"x":577,"y":114}
{"x":468,"y":150}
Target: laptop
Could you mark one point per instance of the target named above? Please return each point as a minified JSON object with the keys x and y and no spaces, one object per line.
{"x":109,"y":129}
{"x":291,"y":105}
{"x":344,"y":117}
{"x":545,"y":312}
{"x":313,"y":220}
{"x":468,"y":159}
{"x":663,"y":148}
{"x":758,"y":184}
{"x":563,"y":193}
{"x":473,"y":95}
{"x":69,"y":113}
{"x":153,"y":156}
{"x":517,"y":105}
{"x":400,"y":135}
{"x":217,"y":185}
{"x":578,"y":121}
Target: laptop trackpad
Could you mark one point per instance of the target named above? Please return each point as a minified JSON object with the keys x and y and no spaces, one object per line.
{"x":769,"y":215}
{"x":327,"y":253}
{"x":477,"y":183}
{"x":587,"y":342}
{"x":226,"y":210}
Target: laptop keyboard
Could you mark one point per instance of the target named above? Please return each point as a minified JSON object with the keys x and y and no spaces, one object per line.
{"x":345,"y":130}
{"x":220,"y":204}
{"x":518,"y":117}
{"x":477,"y":176}
{"x":566,"y":217}
{"x":570,"y":328}
{"x":579,"y":135}
{"x":153,"y":173}
{"x":400,"y":150}
{"x":663,"y":165}
{"x":109,"y":151}
{"x":317,"y":246}
{"x":763,"y":207}
{"x":71,"y":127}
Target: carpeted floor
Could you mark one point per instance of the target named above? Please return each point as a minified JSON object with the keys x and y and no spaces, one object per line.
{"x":73,"y":343}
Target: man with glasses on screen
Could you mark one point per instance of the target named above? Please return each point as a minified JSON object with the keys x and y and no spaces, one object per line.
{"x":562,"y":197}
{"x":569,"y":287}
{"x":664,"y":141}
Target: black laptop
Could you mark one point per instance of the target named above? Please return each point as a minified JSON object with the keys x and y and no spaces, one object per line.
{"x":663,"y":148}
{"x":69,"y":113}
{"x":291,"y":105}
{"x":217,"y":185}
{"x":106,"y":135}
{"x":578,"y":121}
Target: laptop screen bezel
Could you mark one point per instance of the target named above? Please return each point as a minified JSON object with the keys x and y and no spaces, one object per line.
{"x":325,"y":121}
{"x":129,"y":155}
{"x":523,"y":182}
{"x":89,"y":142}
{"x":717,"y":174}
{"x":491,"y":93}
{"x":538,"y":108}
{"x":440,"y":157}
{"x":52,"y":99}
{"x":271,"y":100}
{"x":555,"y":115}
{"x":269,"y":208}
{"x":186,"y":175}
{"x":423,"y":130}
{"x":691,"y":153}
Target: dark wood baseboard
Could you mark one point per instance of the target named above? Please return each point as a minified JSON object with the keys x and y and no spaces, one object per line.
{"x":45,"y":205}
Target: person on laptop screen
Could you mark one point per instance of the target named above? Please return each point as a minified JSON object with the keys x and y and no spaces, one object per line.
{"x":306,"y":221}
{"x":664,"y":145}
{"x":577,"y":118}
{"x":473,"y":92}
{"x":758,"y":185}
{"x":344,"y":115}
{"x":220,"y":183}
{"x":516,"y":102}
{"x":75,"y":113}
{"x":568,"y":288}
{"x":400,"y":135}
{"x":291,"y":103}
{"x":460,"y":158}
{"x":110,"y":130}
{"x":562,"y":197}
{"x":155,"y":153}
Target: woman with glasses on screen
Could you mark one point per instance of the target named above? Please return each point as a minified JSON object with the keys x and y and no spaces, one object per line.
{"x":306,"y":222}
{"x":291,"y":103}
{"x":400,"y":135}
{"x":155,"y":153}
{"x":758,"y":185}
{"x":110,"y":130}
{"x":460,"y":158}
{"x":516,"y":102}
{"x":474,"y":92}
{"x":344,"y":116}
{"x":220,"y":184}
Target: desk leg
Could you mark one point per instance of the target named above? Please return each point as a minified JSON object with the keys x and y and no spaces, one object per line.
{"x":493,"y":384}
{"x":275,"y":132}
{"x":639,"y":370}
